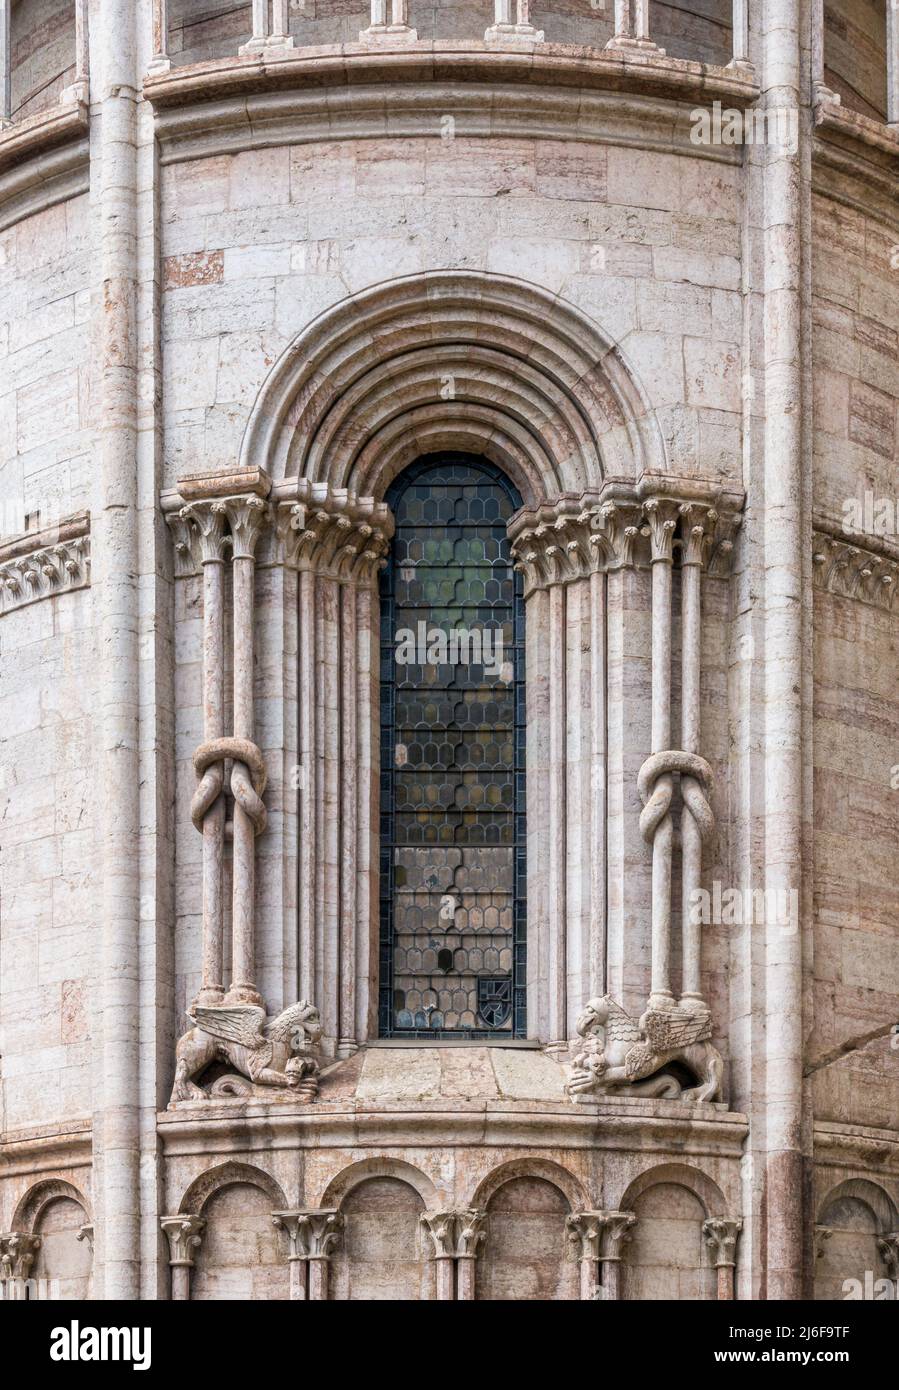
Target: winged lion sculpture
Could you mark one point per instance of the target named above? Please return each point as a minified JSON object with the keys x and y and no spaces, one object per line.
{"x":618,"y":1050}
{"x":276,"y":1051}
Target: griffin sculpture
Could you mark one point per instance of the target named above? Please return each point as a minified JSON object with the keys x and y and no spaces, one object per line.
{"x":268,"y":1051}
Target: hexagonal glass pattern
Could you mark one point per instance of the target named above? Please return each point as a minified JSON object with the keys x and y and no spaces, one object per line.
{"x":452,"y":871}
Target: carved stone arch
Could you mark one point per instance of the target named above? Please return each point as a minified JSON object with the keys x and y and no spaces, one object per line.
{"x":704,"y":1188}
{"x":484,"y":363}
{"x":531,"y":1167}
{"x":34,"y":1203}
{"x":343,"y":1183}
{"x":869,"y":1194}
{"x":232,"y":1174}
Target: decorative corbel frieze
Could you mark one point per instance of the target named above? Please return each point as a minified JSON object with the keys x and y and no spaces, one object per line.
{"x":312,"y":1235}
{"x":851,"y":570}
{"x":456,"y":1236}
{"x":184,"y":1235}
{"x":720,"y":1234}
{"x":18,"y":1252}
{"x":45,"y":572}
{"x":333,"y":532}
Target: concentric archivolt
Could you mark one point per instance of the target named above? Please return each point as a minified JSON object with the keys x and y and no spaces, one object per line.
{"x":453,"y":360}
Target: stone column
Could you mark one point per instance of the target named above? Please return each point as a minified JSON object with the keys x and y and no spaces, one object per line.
{"x":115,"y":537}
{"x":556,"y":549}
{"x":184,"y":1234}
{"x":632,"y":28}
{"x":246,"y":516}
{"x":337,"y":543}
{"x":720,"y":1234}
{"x":160,"y":61}
{"x":740,"y":57}
{"x":5,"y":64}
{"x":456,"y":1236}
{"x":210,"y":544}
{"x":271,"y":28}
{"x":313,"y":1235}
{"x":80,"y":88}
{"x":518,"y":26}
{"x":892,"y":62}
{"x":820,"y":89}
{"x":389,"y":20}
{"x":783,"y":487}
{"x":618,"y":1230}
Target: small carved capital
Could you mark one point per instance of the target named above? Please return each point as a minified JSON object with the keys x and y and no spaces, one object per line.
{"x":600,"y":1235}
{"x":698,"y":525}
{"x":852,"y":570}
{"x":184,"y":1234}
{"x":44,"y":572}
{"x":721,"y":1234}
{"x":456,"y":1234}
{"x":334,"y":532}
{"x":205,"y":532}
{"x":661,"y":517}
{"x":247,"y":515}
{"x":312,"y":1234}
{"x":888,"y":1245}
{"x":822,"y":1236}
{"x":86,"y":1232}
{"x":17,"y":1254}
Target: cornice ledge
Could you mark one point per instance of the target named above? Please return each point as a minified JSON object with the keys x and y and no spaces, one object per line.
{"x":873,"y":1148}
{"x":34,"y":135}
{"x":430,"y":60}
{"x":832,"y":118}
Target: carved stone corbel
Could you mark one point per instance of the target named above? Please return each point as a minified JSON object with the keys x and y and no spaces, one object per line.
{"x":184,"y":1235}
{"x":888,"y":1245}
{"x":313,"y":1235}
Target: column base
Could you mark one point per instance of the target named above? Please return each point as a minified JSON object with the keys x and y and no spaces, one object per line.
{"x":627,"y":44}
{"x":661,"y":999}
{"x":209,"y":997}
{"x":159,"y":66}
{"x":377,"y":33}
{"x":257,"y":46}
{"x":741,"y":65}
{"x":244,"y":994}
{"x":498,"y":33}
{"x":693,"y":1004}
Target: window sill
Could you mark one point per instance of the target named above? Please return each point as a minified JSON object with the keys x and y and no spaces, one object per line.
{"x":22,"y":140}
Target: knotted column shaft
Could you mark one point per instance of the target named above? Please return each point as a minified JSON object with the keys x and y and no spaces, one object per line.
{"x":246,"y":516}
{"x":696,"y":821}
{"x":662,"y":523}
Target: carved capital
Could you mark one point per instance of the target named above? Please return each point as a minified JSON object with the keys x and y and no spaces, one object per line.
{"x":698,"y":523}
{"x":334,"y":532}
{"x":660,"y":521}
{"x":205,"y":531}
{"x":86,"y":1233}
{"x":617,"y":533}
{"x":184,"y":1234}
{"x":247,"y":515}
{"x":888,"y":1245}
{"x":600,"y":1235}
{"x":312,"y":1234}
{"x":456,"y":1234}
{"x":720,"y":1233}
{"x":18,"y":1252}
{"x":855,"y":571}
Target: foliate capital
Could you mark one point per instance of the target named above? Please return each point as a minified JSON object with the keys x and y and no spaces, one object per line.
{"x":312,"y":1234}
{"x":720,"y":1233}
{"x":184,"y":1234}
{"x":456,"y":1234}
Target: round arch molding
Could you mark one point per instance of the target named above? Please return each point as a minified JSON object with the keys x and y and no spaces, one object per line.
{"x":483,"y":364}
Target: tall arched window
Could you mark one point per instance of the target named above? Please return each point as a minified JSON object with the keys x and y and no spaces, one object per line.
{"x":453,"y":871}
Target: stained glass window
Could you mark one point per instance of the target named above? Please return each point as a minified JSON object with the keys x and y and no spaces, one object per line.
{"x":452,"y":869}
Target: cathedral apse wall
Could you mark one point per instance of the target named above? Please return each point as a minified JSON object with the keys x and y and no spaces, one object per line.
{"x":583,"y":989}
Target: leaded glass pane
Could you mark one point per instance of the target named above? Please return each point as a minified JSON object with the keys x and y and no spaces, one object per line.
{"x":452,"y":758}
